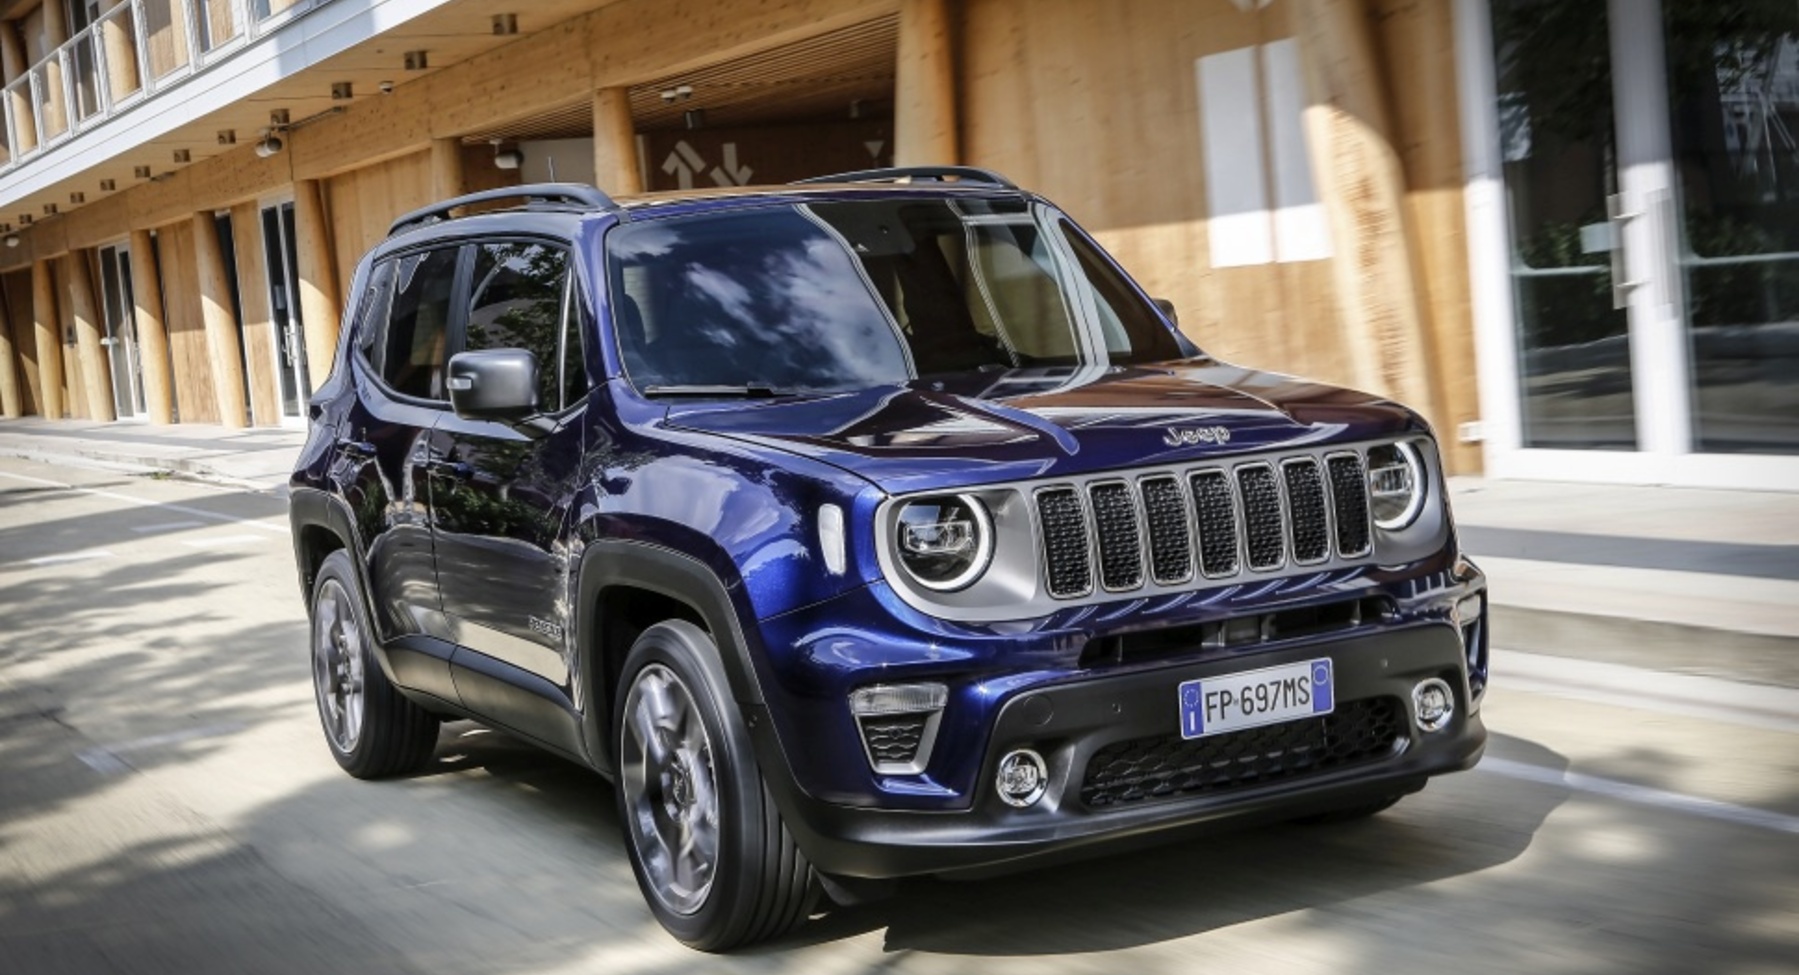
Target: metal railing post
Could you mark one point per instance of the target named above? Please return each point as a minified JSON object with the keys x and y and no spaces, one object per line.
{"x":191,"y":8}
{"x":102,"y":70}
{"x":71,"y":111}
{"x":146,"y":75}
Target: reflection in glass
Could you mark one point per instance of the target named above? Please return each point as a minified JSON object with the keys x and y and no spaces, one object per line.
{"x":1733,"y":70}
{"x":1555,"y":115}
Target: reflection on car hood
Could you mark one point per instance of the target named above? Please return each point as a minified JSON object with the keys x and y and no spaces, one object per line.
{"x":1004,"y":426}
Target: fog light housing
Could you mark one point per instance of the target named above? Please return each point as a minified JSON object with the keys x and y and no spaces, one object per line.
{"x":1433,"y":704}
{"x":898,"y":724}
{"x":1023,"y":778}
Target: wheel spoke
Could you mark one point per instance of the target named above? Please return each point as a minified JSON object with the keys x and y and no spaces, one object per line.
{"x":669,"y":789}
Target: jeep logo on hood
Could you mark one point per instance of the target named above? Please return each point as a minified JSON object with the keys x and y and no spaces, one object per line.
{"x":1189,"y":436}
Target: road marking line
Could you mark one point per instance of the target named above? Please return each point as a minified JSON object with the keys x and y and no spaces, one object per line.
{"x":1642,"y":795}
{"x":218,"y":540}
{"x":92,"y":553}
{"x":109,"y":760}
{"x":128,"y":499}
{"x":167,"y":526}
{"x":1619,"y":685}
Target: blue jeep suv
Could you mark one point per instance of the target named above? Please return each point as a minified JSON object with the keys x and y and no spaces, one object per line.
{"x":869,"y":527}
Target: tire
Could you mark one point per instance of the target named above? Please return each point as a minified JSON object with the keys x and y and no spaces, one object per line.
{"x":372,"y":730}
{"x":1348,"y":814}
{"x":717,"y":866}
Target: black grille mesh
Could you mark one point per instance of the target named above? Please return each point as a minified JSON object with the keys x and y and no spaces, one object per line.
{"x":1262,"y":529}
{"x":1120,"y":548}
{"x":1217,"y":520}
{"x":1064,"y":542}
{"x":1305,"y":506}
{"x":1170,"y":544}
{"x":1167,"y":766}
{"x":1349,"y":492}
{"x":894,"y":738}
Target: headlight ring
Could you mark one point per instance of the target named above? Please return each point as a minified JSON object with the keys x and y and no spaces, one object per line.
{"x":944,"y":543}
{"x":1396,"y":485}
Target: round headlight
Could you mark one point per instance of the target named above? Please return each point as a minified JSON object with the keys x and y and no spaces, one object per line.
{"x":945,"y":543}
{"x":1395,"y":485}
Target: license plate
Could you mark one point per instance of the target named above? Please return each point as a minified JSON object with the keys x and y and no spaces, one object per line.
{"x":1215,"y":705}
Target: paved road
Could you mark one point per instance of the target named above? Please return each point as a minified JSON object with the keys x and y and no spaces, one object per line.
{"x":167,"y":806}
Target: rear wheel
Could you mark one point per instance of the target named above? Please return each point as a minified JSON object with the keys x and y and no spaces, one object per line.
{"x":373,"y":730}
{"x":716,"y":864}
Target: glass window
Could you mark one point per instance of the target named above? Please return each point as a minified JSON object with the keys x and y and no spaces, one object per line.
{"x":1133,"y":329}
{"x":371,"y":322}
{"x":516,"y":299}
{"x":412,"y":354}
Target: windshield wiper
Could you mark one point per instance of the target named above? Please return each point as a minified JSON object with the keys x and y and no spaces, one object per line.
{"x":751,"y":391}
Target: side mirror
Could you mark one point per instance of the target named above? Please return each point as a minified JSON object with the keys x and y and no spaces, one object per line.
{"x":494,"y":384}
{"x":1167,"y":309}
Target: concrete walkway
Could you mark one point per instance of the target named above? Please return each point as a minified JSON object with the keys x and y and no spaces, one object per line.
{"x":1703,"y":582}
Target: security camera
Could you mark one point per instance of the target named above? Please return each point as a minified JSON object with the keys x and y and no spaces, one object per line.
{"x":12,"y":240}
{"x":508,"y":159}
{"x":386,"y":87}
{"x":270,"y":145}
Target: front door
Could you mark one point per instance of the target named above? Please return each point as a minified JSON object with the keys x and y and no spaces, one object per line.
{"x":1650,"y":160}
{"x":280,"y":252}
{"x":121,"y":332}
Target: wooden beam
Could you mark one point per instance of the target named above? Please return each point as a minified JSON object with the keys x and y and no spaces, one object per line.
{"x":446,"y":168}
{"x":615,"y":143}
{"x":1362,"y":186}
{"x":152,"y":333}
{"x":259,"y":322}
{"x":10,"y":403}
{"x":924,"y":109}
{"x":96,"y":375}
{"x":49,"y":338}
{"x":12,"y":61}
{"x":319,"y":309}
{"x":223,"y":355}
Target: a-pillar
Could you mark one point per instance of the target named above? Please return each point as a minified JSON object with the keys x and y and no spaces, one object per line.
{"x":11,"y":405}
{"x":446,"y":168}
{"x":49,"y":339}
{"x":924,"y":110}
{"x":222,"y":352}
{"x":1362,"y":185}
{"x":12,"y":64}
{"x":318,"y":279}
{"x":121,"y":53}
{"x":95,"y":379}
{"x":152,"y":334}
{"x":615,"y":168}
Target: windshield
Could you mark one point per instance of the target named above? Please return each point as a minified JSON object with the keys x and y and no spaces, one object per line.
{"x":833,"y":296}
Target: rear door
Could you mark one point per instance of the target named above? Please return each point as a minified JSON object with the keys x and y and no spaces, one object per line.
{"x":500,"y":498}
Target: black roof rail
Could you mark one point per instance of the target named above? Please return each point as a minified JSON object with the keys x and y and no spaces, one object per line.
{"x":906,"y":174}
{"x":578,"y":195}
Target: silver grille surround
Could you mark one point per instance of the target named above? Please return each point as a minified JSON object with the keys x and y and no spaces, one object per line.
{"x":1016,"y":585}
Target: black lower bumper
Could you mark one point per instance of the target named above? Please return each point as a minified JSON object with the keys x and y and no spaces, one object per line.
{"x":1068,"y":723}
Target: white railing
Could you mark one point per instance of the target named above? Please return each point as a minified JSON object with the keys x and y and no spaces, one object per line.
{"x":128,"y":54}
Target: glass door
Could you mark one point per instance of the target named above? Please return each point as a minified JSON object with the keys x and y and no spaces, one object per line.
{"x":118,"y":309}
{"x":1649,"y":154}
{"x":280,"y":250}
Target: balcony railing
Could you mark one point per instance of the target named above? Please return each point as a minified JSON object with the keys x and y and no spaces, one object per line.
{"x":127,"y":55}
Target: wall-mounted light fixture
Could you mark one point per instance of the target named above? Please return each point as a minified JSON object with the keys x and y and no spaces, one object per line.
{"x":77,"y":198}
{"x":416,"y":60}
{"x":108,"y":185}
{"x":141,"y":172}
{"x":678,"y":93}
{"x":227,"y":137}
{"x":269,"y":145}
{"x":183,"y":155}
{"x":12,"y":240}
{"x":506,"y":158}
{"x":695,"y":118}
{"x":342,"y":91}
{"x":505,"y":24}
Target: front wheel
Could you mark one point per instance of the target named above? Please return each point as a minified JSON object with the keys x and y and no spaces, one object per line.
{"x":716,"y":864}
{"x":372,"y":729}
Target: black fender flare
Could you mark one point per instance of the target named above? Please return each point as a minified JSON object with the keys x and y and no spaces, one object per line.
{"x":313,"y":508}
{"x":614,"y":562}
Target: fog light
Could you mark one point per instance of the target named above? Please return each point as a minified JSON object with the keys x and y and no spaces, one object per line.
{"x":1022,"y":777}
{"x":1434,"y":703}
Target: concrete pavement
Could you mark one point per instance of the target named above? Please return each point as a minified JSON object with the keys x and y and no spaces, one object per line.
{"x":1695,"y":581}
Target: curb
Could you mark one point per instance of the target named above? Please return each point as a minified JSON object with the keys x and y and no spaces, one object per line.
{"x":1672,"y":647}
{"x":187,"y":467}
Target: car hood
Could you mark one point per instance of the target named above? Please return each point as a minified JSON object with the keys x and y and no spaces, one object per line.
{"x":984,"y":428}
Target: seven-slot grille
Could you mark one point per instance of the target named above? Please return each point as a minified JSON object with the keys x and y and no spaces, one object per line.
{"x":1215,"y":522}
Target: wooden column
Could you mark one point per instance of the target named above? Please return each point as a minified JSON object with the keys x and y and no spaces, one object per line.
{"x":96,"y":378}
{"x":56,"y":34}
{"x":11,"y":404}
{"x":253,"y":305}
{"x":12,"y":60}
{"x":319,"y":308}
{"x":446,"y":168}
{"x":120,"y":49}
{"x":222,"y":352}
{"x":615,"y":143}
{"x":152,"y":334}
{"x":924,"y":110}
{"x":1362,"y":186}
{"x":49,"y":338}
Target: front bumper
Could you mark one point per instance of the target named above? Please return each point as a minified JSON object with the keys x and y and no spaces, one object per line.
{"x":1068,"y":722}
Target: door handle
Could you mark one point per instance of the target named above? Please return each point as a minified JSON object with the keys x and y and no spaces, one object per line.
{"x":1616,"y":214}
{"x":357,"y":448}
